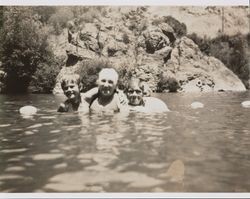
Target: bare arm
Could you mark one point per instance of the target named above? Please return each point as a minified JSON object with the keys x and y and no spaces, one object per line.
{"x":122,"y":102}
{"x":90,"y":95}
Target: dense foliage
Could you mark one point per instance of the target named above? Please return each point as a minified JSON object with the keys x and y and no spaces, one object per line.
{"x":44,"y":12}
{"x":24,"y":47}
{"x":1,"y":16}
{"x":233,"y":51}
{"x":44,"y":79}
{"x":167,"y":84}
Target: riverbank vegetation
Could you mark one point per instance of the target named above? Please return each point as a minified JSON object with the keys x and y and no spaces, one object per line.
{"x":233,"y":51}
{"x":29,"y":63}
{"x":25,"y":52}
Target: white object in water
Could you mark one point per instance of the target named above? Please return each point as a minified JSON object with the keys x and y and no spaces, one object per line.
{"x":246,"y":104}
{"x":196,"y":105}
{"x":28,"y":110}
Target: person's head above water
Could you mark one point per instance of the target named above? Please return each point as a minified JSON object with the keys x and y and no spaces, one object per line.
{"x":107,"y":81}
{"x":134,"y":92}
{"x":71,"y":86}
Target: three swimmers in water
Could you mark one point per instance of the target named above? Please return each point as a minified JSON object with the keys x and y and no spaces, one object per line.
{"x":106,"y":97}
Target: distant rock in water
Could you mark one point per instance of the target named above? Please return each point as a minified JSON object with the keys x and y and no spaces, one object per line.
{"x":196,"y":105}
{"x":246,"y":104}
{"x":28,"y":110}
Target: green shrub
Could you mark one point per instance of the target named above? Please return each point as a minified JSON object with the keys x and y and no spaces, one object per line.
{"x":23,"y":47}
{"x":1,"y":16}
{"x":233,"y":51}
{"x":167,"y":84}
{"x":60,"y":19}
{"x":44,"y":12}
{"x":203,"y":43}
{"x":44,"y":79}
{"x":125,"y":73}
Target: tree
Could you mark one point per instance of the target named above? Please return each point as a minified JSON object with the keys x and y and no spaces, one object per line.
{"x":44,"y":79}
{"x":44,"y":12}
{"x":24,"y":47}
{"x":233,"y":51}
{"x":1,"y":16}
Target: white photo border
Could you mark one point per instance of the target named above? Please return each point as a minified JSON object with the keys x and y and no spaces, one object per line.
{"x":128,"y":2}
{"x":125,"y":3}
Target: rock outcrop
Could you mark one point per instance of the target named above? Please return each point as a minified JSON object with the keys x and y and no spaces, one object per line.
{"x":150,"y":50}
{"x":198,"y":72}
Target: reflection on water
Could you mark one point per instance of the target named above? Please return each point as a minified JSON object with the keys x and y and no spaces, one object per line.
{"x":186,"y":150}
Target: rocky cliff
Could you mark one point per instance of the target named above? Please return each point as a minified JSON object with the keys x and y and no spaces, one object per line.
{"x":149,"y":46}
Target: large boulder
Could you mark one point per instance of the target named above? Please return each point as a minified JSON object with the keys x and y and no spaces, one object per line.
{"x":168,"y":31}
{"x":155,"y":39}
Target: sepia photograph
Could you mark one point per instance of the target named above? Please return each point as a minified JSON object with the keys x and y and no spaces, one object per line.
{"x":124,"y":99}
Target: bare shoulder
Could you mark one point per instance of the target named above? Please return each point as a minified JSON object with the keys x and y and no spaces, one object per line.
{"x":90,"y":95}
{"x":155,"y":105}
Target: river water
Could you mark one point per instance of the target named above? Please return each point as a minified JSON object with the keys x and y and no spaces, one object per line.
{"x":185,"y":150}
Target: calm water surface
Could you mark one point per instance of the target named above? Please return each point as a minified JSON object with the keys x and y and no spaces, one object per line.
{"x":186,"y":150}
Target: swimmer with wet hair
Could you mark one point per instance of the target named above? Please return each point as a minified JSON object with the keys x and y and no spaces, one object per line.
{"x":71,"y":86}
{"x":138,"y":102}
{"x":107,"y":99}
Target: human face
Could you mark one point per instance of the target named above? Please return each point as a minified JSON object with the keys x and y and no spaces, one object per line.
{"x":135,"y":95}
{"x":72,"y":91}
{"x":106,"y":85}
